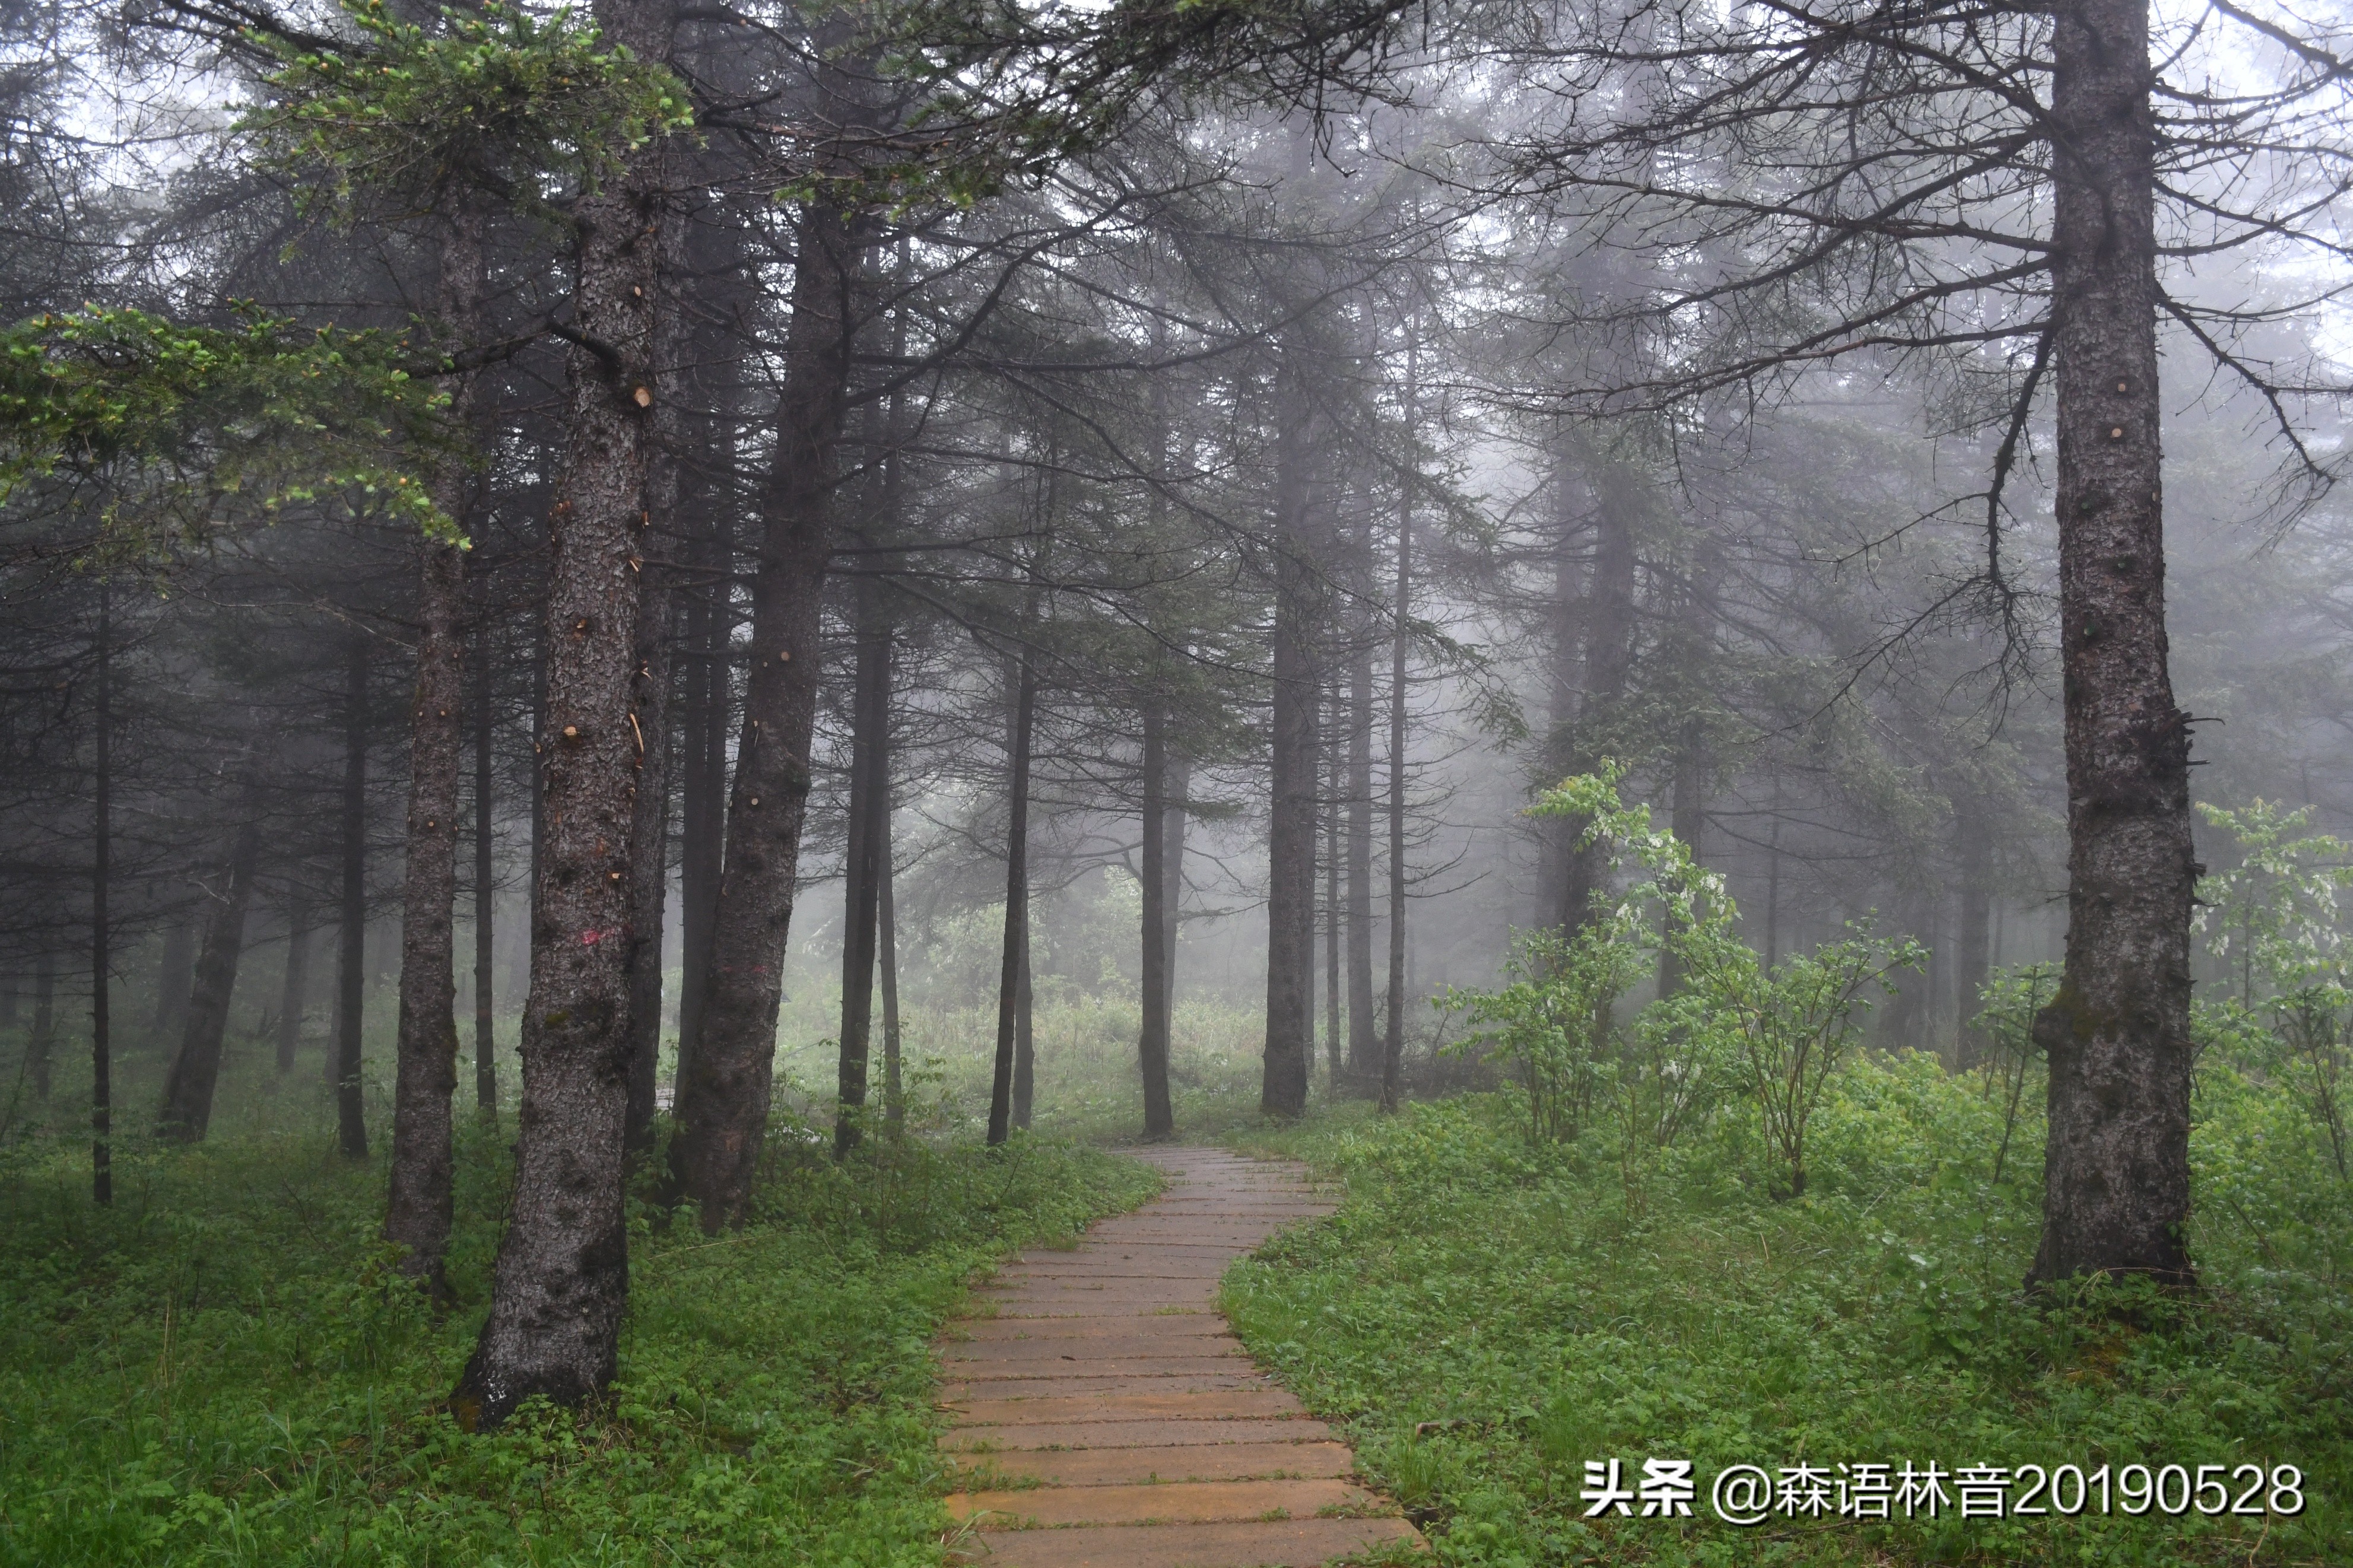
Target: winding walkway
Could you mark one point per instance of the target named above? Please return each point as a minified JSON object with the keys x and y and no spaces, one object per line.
{"x":1107,"y":1418}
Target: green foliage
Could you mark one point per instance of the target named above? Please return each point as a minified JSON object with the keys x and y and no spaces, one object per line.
{"x":2011,"y":998}
{"x":1551,"y":1024}
{"x":2314,"y":1022}
{"x":1794,"y":1028}
{"x":530,"y":106}
{"x":1481,"y":1320}
{"x":2276,"y":910}
{"x":166,"y":433}
{"x":223,"y":1370}
{"x":1009,"y":92}
{"x":1778,"y":1035}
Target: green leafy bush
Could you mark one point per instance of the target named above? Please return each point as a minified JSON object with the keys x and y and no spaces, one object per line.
{"x":1723,"y":1020}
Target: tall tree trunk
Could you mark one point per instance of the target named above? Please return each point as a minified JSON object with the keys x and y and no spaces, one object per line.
{"x":187,"y":1106}
{"x":174,"y":976}
{"x":1564,"y":669}
{"x":1402,"y":611}
{"x":538,"y":770}
{"x":350,"y":977}
{"x":40,"y":1048}
{"x":418,"y":1210}
{"x":1291,"y":818}
{"x":294,"y":993}
{"x":1362,"y":1045}
{"x":1025,"y":1037}
{"x":1335,"y":932}
{"x":886,"y":943}
{"x":2117,"y":1167}
{"x":1609,"y":663}
{"x":723,"y":1100}
{"x":720,"y":265}
{"x":648,"y":851}
{"x":101,"y":872}
{"x":562,"y":1275}
{"x":1180,"y":795}
{"x":1003,"y":1093}
{"x":486,"y":1060}
{"x":702,"y":796}
{"x":869,"y":810}
{"x":652,"y":674}
{"x":1973,"y":961}
{"x":1152,"y":1049}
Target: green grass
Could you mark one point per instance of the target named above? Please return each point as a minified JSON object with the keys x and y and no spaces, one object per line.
{"x":219,"y":1370}
{"x":1483,"y":1316}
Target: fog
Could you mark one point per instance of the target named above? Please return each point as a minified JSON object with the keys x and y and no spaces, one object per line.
{"x":803,"y":620}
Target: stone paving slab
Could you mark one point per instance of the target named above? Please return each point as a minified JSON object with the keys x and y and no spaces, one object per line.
{"x":1108,"y":1418}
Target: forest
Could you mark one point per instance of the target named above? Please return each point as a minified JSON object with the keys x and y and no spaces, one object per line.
{"x":1184,"y":784}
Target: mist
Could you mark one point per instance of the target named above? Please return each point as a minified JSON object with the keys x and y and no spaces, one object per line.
{"x":635,"y":629}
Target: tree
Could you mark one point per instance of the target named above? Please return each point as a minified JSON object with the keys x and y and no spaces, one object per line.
{"x":1893,"y":207}
{"x":562,"y":1275}
{"x":196,"y":1066}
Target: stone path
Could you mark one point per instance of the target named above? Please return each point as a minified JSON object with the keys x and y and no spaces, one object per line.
{"x":1107,"y":1418}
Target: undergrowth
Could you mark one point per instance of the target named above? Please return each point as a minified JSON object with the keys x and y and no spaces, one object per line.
{"x":1487,"y":1313}
{"x":222,"y":1369}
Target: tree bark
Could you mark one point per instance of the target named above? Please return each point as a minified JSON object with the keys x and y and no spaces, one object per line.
{"x":562,"y":1275}
{"x":1003,"y":1093}
{"x":1362,"y":1043}
{"x":486,"y":1061}
{"x":40,"y":1047}
{"x":418,"y":1209}
{"x":1563,"y":677}
{"x":538,"y":769}
{"x":101,"y":872}
{"x":174,"y":977}
{"x":1393,"y":1041}
{"x":649,"y":845}
{"x":886,"y":942}
{"x":869,"y":810}
{"x":703,"y":795}
{"x":723,"y":1100}
{"x":652,"y":681}
{"x":2117,"y":1167}
{"x":1608,"y":664}
{"x":187,"y":1108}
{"x":1335,"y":923}
{"x":1025,"y":1030}
{"x":1291,"y":826}
{"x":350,"y":977}
{"x":1152,"y":1049}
